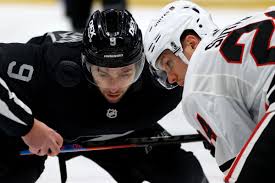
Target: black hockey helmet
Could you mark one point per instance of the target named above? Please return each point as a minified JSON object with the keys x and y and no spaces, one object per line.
{"x":112,"y":39}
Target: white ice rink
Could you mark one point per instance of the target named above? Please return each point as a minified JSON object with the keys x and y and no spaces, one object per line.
{"x":21,"y":22}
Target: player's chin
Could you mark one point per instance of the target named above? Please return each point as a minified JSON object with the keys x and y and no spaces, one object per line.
{"x":180,"y":83}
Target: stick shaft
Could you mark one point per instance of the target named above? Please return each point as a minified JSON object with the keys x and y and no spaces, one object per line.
{"x":128,"y":143}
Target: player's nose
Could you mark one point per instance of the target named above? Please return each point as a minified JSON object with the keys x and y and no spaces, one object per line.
{"x":172,"y":78}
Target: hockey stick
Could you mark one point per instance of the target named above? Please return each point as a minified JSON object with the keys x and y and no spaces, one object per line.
{"x":90,"y":145}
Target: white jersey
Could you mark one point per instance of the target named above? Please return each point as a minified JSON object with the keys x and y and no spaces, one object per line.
{"x":225,"y":91}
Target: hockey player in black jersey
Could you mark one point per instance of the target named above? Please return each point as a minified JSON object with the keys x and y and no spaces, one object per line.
{"x":100,"y":87}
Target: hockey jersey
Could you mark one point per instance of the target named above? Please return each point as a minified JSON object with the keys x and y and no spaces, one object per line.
{"x":227,"y":81}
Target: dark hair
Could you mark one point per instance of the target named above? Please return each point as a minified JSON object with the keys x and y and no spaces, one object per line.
{"x":188,"y":32}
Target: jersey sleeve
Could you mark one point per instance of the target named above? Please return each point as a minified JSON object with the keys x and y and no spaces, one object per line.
{"x":20,"y":81}
{"x":15,"y":116}
{"x":28,"y":71}
{"x":256,"y":154}
{"x":219,"y":120}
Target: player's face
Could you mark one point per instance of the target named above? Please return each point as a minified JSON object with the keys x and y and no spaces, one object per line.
{"x":173,"y":66}
{"x":113,"y":82}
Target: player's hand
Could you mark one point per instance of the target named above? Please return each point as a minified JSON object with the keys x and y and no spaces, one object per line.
{"x":42,"y":140}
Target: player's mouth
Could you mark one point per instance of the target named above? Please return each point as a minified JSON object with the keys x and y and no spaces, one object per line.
{"x":113,"y":97}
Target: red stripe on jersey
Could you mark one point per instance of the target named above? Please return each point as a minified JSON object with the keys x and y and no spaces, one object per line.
{"x":234,"y":165}
{"x":207,"y":129}
{"x":266,"y":106}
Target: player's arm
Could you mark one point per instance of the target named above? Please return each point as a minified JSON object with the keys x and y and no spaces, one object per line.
{"x":257,"y":153}
{"x":15,"y":117}
{"x":15,"y":85}
{"x":219,"y":118}
{"x":21,"y":78}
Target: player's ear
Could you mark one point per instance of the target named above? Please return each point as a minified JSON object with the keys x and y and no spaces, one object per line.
{"x":192,"y":40}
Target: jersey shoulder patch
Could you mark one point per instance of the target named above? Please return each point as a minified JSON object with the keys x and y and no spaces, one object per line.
{"x":64,"y":36}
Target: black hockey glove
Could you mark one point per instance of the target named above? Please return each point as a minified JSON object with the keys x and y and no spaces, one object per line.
{"x":209,"y":147}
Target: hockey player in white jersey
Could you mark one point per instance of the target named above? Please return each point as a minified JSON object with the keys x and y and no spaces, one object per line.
{"x":228,"y":79}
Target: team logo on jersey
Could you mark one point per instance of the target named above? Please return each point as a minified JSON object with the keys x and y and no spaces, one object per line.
{"x":91,"y":30}
{"x":68,"y":37}
{"x":111,"y":113}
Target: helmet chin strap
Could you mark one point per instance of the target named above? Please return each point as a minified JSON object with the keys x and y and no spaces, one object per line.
{"x":182,"y":56}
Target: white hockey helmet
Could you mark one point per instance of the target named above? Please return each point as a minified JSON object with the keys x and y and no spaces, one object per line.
{"x":166,"y":28}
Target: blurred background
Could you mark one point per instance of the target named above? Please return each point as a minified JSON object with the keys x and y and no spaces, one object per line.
{"x":22,"y":19}
{"x":216,"y":3}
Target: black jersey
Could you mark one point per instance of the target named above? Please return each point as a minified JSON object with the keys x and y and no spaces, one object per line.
{"x":48,"y":78}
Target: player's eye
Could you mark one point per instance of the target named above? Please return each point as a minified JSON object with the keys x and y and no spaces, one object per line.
{"x":102,"y":74}
{"x":168,"y":65}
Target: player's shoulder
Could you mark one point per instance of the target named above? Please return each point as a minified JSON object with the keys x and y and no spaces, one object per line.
{"x":63,"y":64}
{"x":65,"y":36}
{"x":20,"y":53}
{"x":57,"y":37}
{"x":65,"y":44}
{"x":62,"y":56}
{"x":59,"y":44}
